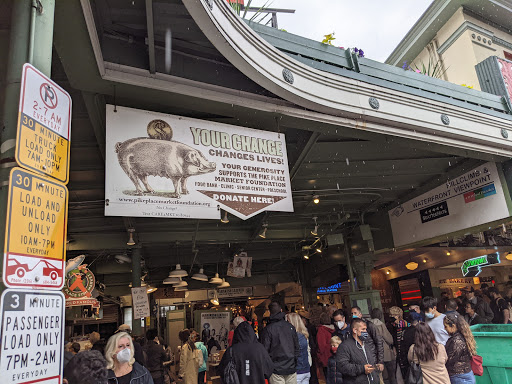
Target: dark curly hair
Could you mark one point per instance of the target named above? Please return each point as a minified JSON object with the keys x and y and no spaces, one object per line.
{"x":87,"y":367}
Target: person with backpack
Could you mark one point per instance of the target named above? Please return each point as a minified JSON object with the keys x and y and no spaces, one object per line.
{"x":430,"y":355}
{"x":499,"y":306}
{"x":190,"y":359}
{"x":246,"y":361}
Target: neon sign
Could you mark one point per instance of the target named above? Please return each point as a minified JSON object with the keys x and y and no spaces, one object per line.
{"x":473,"y":267}
{"x":332,"y":289}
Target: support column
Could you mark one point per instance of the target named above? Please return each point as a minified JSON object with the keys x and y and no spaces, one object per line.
{"x":349,"y":267}
{"x":30,"y":32}
{"x":136,"y":275}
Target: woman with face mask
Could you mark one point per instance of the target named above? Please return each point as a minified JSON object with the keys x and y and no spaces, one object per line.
{"x":304,"y":360}
{"x":460,"y":348}
{"x":121,"y":365}
{"x":430,"y":355}
{"x":397,"y":328}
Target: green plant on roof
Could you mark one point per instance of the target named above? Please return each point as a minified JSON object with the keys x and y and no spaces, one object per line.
{"x":238,"y":7}
{"x":434,"y":68}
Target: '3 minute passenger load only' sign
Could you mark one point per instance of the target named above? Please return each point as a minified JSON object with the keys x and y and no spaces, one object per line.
{"x":32,"y":336}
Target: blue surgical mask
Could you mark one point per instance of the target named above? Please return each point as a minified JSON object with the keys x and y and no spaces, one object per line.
{"x":429,"y":315}
{"x":355,"y":317}
{"x":364,"y":336}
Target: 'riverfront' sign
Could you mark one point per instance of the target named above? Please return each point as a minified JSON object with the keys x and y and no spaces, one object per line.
{"x":471,"y":199}
{"x":169,"y":166}
{"x":32,"y":336}
{"x":35,"y":240}
{"x":44,"y":125}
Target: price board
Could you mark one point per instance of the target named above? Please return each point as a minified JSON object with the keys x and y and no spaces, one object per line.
{"x":35,"y":241}
{"x":32,"y":336}
{"x":44,"y":125}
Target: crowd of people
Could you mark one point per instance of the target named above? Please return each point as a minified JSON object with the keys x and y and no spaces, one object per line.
{"x":338,"y":347}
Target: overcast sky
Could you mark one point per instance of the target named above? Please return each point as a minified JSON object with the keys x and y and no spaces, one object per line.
{"x":376,"y":26}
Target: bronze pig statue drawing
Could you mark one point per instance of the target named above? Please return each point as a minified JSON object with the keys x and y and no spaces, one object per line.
{"x":159,"y":155}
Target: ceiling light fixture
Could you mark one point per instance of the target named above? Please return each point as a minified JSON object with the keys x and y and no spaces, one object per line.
{"x":171,"y":280}
{"x":448,"y":253}
{"x":509,"y":256}
{"x":225,"y":219}
{"x":306,"y":256}
{"x":216,"y":279}
{"x":224,"y":284}
{"x":263,"y":233}
{"x":316,"y":199}
{"x":425,"y":260}
{"x":151,"y":289}
{"x":388,"y":272}
{"x":130,"y":240}
{"x":314,"y":232}
{"x":178,"y":272}
{"x":215,"y":299}
{"x":200,"y":276}
{"x":411,"y":265}
{"x":180,"y":283}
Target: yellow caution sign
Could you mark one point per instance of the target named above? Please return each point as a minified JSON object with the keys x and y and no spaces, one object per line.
{"x":35,"y":241}
{"x":44,"y":125}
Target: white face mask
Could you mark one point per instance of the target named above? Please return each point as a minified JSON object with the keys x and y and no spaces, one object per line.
{"x":340,"y":324}
{"x":124,"y":355}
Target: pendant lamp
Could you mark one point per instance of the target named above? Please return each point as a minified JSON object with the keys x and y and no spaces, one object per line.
{"x":215,"y":299}
{"x":224,"y":284}
{"x":200,"y":276}
{"x":181,"y":283}
{"x":216,"y":279}
{"x":171,"y":280}
{"x":178,"y":272}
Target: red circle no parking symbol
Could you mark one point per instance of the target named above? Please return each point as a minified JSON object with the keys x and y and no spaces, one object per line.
{"x":48,"y":95}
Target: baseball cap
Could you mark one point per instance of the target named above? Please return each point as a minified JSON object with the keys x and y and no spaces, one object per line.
{"x":124,"y":328}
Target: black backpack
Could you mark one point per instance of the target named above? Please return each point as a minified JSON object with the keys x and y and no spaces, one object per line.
{"x":230,"y":374}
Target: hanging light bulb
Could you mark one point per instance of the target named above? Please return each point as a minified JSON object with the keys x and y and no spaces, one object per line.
{"x":225,"y":219}
{"x":316,"y":199}
{"x":178,"y":272}
{"x":411,"y":265}
{"x":306,"y":256}
{"x":130,"y":240}
{"x":388,"y":272}
{"x":200,"y":276}
{"x":224,"y":284}
{"x":425,"y":260}
{"x":216,"y":279}
{"x":215,"y":299}
{"x":314,"y":232}
{"x":150,"y":289}
{"x":263,"y":233}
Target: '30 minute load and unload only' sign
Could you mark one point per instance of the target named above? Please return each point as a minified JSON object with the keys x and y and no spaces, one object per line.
{"x":44,"y":125}
{"x":35,"y":239}
{"x":32,"y":331}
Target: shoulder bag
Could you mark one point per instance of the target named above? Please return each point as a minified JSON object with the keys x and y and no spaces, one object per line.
{"x":477,"y":365}
{"x":414,"y":375}
{"x":230,"y":374}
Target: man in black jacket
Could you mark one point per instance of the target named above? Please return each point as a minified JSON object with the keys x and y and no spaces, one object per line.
{"x":155,"y":356}
{"x":482,"y":308}
{"x":282,"y":344}
{"x":252,"y":362}
{"x":374,"y":342}
{"x":354,"y":357}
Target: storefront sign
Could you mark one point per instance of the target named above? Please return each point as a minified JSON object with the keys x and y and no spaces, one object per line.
{"x":335,"y":288}
{"x":80,"y":282}
{"x":140,"y":303}
{"x":44,"y":125}
{"x":474,"y":198}
{"x":474,"y":280}
{"x":35,"y":231}
{"x":32,"y":336}
{"x":168,"y":166}
{"x":226,"y":293}
{"x":473,"y":267}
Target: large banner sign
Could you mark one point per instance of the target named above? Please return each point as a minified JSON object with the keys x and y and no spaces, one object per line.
{"x":161,"y":165}
{"x":471,"y":199}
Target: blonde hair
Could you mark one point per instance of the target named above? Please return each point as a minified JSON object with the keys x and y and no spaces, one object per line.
{"x":111,"y":348}
{"x":335,"y":340}
{"x":295,"y":320}
{"x":396,"y":311}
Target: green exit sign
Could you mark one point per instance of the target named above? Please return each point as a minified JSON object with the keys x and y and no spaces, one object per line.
{"x":473,"y":267}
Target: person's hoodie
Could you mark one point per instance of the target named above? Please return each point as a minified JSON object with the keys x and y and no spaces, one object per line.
{"x":252,"y":362}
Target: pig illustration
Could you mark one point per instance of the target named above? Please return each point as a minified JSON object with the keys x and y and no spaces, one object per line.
{"x":142,"y":157}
